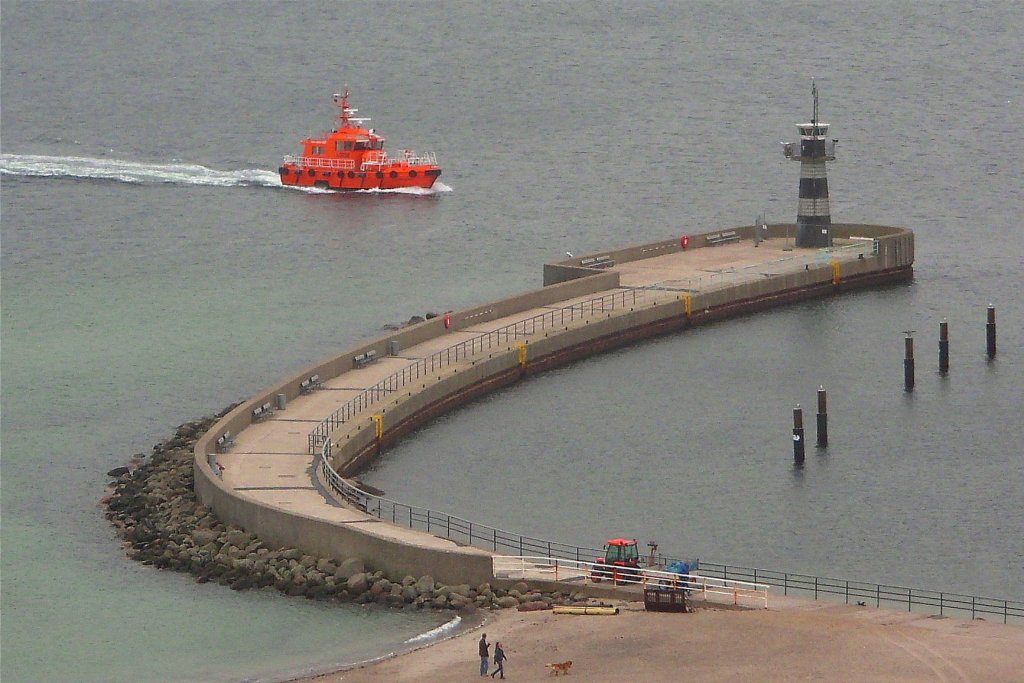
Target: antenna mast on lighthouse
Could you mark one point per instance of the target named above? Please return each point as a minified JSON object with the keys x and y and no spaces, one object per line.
{"x":813,"y":217}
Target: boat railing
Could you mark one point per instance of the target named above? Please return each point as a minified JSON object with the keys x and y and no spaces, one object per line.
{"x":320,"y":162}
{"x":408,"y":158}
{"x":381,"y":162}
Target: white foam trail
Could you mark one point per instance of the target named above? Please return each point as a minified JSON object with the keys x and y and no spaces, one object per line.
{"x":138,"y":173}
{"x":433,"y":633}
{"x":438,"y":188}
{"x":132,"y":171}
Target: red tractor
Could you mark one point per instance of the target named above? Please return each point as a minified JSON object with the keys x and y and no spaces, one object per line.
{"x":621,"y":561}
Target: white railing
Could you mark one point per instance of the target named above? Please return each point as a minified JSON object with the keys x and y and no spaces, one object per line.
{"x":376,"y":163}
{"x":320,"y":162}
{"x":408,"y":158}
{"x":574,"y":571}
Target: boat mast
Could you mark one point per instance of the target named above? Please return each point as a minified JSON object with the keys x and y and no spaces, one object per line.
{"x":344,"y":113}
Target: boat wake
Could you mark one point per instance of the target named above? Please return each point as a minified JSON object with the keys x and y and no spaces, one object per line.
{"x":140,"y":173}
{"x":134,"y":172}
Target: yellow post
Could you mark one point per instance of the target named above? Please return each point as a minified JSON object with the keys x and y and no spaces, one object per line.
{"x":687,"y":303}
{"x":836,"y":272}
{"x":522,"y":354}
{"x":378,"y":423}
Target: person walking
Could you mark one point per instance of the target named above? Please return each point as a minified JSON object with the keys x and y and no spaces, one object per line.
{"x":484,"y":654}
{"x":499,"y":660}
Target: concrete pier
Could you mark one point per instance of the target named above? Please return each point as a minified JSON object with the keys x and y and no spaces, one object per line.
{"x":354,"y":404}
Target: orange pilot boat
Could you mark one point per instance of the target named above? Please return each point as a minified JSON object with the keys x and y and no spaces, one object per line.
{"x":352,"y":157}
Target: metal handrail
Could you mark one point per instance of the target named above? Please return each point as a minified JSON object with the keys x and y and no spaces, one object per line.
{"x":880,"y":595}
{"x":556,"y":569}
{"x":489,"y":538}
{"x":443,"y":525}
{"x":463,"y":350}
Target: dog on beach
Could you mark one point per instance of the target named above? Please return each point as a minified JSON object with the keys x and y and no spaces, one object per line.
{"x":560,"y":668}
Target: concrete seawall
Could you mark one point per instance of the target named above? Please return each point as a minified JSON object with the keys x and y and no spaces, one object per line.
{"x":660,"y":293}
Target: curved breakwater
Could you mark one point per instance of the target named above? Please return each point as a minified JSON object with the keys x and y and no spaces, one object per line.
{"x":369,"y":421}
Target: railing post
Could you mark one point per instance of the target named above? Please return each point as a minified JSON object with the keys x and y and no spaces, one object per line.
{"x":815,"y":587}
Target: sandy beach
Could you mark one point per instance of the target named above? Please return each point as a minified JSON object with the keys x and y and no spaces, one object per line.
{"x":795,"y":640}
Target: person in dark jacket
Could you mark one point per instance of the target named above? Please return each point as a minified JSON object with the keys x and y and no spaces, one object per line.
{"x":499,"y":660}
{"x":484,"y":654}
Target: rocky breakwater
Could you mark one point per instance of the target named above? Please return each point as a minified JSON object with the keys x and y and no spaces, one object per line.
{"x":154,"y":509}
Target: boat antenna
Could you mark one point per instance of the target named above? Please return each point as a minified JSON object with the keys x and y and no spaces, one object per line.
{"x":343,"y":110}
{"x":814,"y":116}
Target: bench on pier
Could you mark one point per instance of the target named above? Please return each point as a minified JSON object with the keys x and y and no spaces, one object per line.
{"x":721,"y":237}
{"x":311,"y":383}
{"x":598,"y":262}
{"x":261,"y":412}
{"x":225,"y":441}
{"x":363,"y":359}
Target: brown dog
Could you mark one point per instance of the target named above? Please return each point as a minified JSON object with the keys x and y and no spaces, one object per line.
{"x":560,"y":668}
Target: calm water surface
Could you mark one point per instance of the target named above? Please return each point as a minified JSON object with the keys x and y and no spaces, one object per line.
{"x":153,"y":271}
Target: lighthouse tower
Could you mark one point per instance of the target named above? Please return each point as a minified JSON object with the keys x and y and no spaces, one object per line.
{"x":813,"y":218}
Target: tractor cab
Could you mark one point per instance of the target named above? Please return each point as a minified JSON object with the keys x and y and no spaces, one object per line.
{"x":621,"y":560}
{"x":622,"y":552}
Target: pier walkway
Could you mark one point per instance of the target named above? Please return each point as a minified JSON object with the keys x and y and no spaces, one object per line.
{"x":259,"y":467}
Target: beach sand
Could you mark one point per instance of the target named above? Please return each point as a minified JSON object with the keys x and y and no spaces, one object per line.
{"x":795,"y":640}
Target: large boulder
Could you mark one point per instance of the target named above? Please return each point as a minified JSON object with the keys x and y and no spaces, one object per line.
{"x":425,"y":585}
{"x":358,"y":583}
{"x":238,"y":538}
{"x":350,"y":568}
{"x":461,"y":589}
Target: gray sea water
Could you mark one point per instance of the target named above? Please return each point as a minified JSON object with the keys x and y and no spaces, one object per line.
{"x":153,"y":271}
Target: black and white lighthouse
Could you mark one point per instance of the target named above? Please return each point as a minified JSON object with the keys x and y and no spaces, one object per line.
{"x":813,"y":218}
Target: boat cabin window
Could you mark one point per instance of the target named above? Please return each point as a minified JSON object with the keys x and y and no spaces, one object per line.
{"x":317,"y":150}
{"x":343,"y":145}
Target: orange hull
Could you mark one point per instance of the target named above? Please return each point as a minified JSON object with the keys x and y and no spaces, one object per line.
{"x":352,"y":157}
{"x":422,"y":176}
